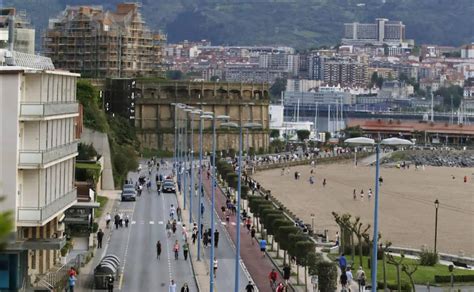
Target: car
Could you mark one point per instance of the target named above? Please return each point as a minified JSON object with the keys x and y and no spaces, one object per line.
{"x":128,"y":187}
{"x":168,"y":187}
{"x":128,"y":195}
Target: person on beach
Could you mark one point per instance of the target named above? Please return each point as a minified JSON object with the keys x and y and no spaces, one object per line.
{"x":369,"y":194}
{"x":354,"y":195}
{"x":361,"y":194}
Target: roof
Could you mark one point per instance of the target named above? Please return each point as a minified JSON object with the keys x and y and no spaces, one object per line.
{"x":379,"y":125}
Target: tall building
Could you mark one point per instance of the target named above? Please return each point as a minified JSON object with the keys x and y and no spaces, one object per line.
{"x":98,"y":43}
{"x":37,"y":159}
{"x":338,"y":71}
{"x":23,"y":35}
{"x":383,"y":31}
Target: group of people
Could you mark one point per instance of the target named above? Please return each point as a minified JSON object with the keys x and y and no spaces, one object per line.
{"x":362,"y":195}
{"x":347,"y":278}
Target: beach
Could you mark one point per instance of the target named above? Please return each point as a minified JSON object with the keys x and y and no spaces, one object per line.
{"x":407,"y":209}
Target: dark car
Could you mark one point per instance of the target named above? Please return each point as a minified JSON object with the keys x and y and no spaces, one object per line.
{"x":129,"y":195}
{"x":168,"y":187}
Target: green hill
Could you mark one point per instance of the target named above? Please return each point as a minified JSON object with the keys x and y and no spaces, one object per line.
{"x":299,"y":23}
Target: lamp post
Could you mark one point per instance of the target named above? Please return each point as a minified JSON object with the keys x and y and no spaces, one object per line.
{"x":436,"y":203}
{"x":185,"y":158}
{"x":239,"y":189}
{"x":312,"y":221}
{"x":191,"y":183}
{"x":213,"y":193}
{"x":389,"y":142}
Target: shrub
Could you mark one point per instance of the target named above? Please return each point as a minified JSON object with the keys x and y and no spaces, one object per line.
{"x":393,"y":286}
{"x":94,"y":227}
{"x":457,"y":278}
{"x":428,"y":257}
{"x":327,"y":276}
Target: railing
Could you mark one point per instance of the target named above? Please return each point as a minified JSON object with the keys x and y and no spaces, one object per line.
{"x":56,"y":281}
{"x":38,"y":158}
{"x":39,"y":110}
{"x":41,"y":214}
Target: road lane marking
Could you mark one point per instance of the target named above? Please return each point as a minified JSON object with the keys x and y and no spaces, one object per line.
{"x":152,"y":222}
{"x":134,"y":222}
{"x":160,"y":222}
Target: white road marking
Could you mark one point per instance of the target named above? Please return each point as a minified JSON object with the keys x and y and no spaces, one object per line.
{"x":134,"y":222}
{"x":233,"y":223}
{"x":160,"y":222}
{"x":152,"y":222}
{"x":223,"y":223}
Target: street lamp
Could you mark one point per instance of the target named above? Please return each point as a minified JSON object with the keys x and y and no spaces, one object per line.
{"x":203,"y":116}
{"x":191,"y":182}
{"x":239,"y":189}
{"x":436,"y":203}
{"x":388,"y":142}
{"x":312,"y":221}
{"x":213,"y":194}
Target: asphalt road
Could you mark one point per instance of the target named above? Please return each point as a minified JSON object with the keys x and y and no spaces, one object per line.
{"x":136,"y":245}
{"x":225,"y":252}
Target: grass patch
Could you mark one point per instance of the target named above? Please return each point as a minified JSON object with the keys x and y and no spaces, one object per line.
{"x":85,"y":165}
{"x":102,"y":201}
{"x":423,"y":275}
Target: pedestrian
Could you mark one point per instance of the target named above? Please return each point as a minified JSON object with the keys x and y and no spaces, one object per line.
{"x":216,"y":238}
{"x":354,"y":194}
{"x":194,"y":236}
{"x":324,"y":182}
{"x":127,"y":220}
{"x":286,"y":273}
{"x":263,"y":246}
{"x":173,"y":227}
{"x":184,"y":232}
{"x":311,"y":179}
{"x":72,"y":282}
{"x":205,"y":238}
{"x":362,"y":282}
{"x":273,"y":277}
{"x":168,"y":228}
{"x":349,"y":275}
{"x":342,"y":263}
{"x":158,"y":249}
{"x":185,"y":250}
{"x":250,"y":287}
{"x":178,"y":213}
{"x":248,"y":223}
{"x":343,"y":281}
{"x":172,"y":287}
{"x":359,"y":274}
{"x":215,"y":267}
{"x":117,"y":221}
{"x":252,"y":234}
{"x":280,"y":288}
{"x":121,"y":220}
{"x":108,"y":218}
{"x":465,"y":179}
{"x":361,"y":194}
{"x":369,"y":194}
{"x":172,"y":211}
{"x":176,"y":250}
{"x":202,"y":210}
{"x":110,"y":283}
{"x":185,"y":288}
{"x":100,"y":235}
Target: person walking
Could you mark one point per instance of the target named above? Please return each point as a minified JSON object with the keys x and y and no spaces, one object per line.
{"x":168,"y":228}
{"x":361,"y":194}
{"x":158,"y":249}
{"x":343,"y":281}
{"x":110,"y":283}
{"x":100,"y":236}
{"x":127,"y":220}
{"x":176,"y":250}
{"x":354,"y":195}
{"x":362,"y":282}
{"x":172,"y":286}
{"x":369,"y":194}
{"x":252,"y":234}
{"x":286,"y":273}
{"x":273,"y":277}
{"x":215,"y":266}
{"x":178,"y":213}
{"x":349,"y":275}
{"x":216,"y":238}
{"x":172,"y":211}
{"x":116,"y":221}
{"x":263,"y":246}
{"x":173,"y":227}
{"x":359,"y":274}
{"x":248,"y":223}
{"x":202,"y":210}
{"x":185,"y":250}
{"x":342,"y":263}
{"x":185,"y":288}
{"x":205,"y":238}
{"x":108,"y":218}
{"x":250,"y":287}
{"x":72,"y":282}
{"x":324,"y":182}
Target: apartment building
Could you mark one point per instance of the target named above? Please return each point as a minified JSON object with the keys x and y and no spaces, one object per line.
{"x":99,"y":43}
{"x":383,"y":31}
{"x":16,"y":31}
{"x":37,"y":160}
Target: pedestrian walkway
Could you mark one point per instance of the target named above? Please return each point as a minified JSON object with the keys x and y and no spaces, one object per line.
{"x":257,"y":265}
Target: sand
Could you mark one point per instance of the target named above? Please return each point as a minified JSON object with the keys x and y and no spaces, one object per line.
{"x":407,"y":211}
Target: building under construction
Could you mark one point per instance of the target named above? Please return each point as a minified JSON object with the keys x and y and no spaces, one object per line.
{"x":98,"y":43}
{"x":16,"y":32}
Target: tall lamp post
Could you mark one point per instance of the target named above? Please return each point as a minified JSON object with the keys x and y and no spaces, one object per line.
{"x":213,"y":193}
{"x":191,"y":181}
{"x":239,"y":189}
{"x":388,"y":142}
{"x":436,"y":203}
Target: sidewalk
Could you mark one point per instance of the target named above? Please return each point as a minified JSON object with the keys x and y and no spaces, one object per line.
{"x":85,"y":278}
{"x":259,"y":267}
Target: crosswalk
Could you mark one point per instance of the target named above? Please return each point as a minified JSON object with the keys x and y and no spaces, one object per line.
{"x":142,"y":222}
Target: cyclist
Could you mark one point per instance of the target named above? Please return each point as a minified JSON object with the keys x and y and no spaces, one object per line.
{"x":273,"y":277}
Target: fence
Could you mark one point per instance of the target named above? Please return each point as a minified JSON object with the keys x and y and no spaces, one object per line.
{"x":56,"y":281}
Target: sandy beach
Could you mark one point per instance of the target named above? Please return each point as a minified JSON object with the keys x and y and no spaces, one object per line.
{"x":407,"y":211}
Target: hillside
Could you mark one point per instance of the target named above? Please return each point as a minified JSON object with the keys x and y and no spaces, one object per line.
{"x":299,"y":23}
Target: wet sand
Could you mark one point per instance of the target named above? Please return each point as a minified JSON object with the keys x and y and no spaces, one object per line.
{"x":407,"y":211}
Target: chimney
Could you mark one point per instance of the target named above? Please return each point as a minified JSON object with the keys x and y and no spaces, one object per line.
{"x":11,"y":32}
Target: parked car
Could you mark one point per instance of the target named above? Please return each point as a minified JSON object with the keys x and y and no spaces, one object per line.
{"x":168,"y":187}
{"x":128,"y":195}
{"x":128,"y":187}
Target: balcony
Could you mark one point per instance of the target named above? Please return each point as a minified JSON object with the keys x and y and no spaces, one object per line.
{"x":33,"y":159}
{"x":38,"y":216}
{"x":44,"y":111}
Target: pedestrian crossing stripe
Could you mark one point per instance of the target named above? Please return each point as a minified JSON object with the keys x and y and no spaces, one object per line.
{"x":233,"y":223}
{"x":160,"y":222}
{"x":223,"y":223}
{"x":152,"y":222}
{"x":134,"y":222}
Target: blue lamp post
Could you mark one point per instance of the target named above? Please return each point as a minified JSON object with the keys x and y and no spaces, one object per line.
{"x":388,"y":142}
{"x":191,"y":182}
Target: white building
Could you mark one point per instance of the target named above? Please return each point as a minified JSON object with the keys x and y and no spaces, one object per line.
{"x":37,"y":161}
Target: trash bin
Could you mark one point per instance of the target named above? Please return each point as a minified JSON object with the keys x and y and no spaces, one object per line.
{"x":107,"y":267}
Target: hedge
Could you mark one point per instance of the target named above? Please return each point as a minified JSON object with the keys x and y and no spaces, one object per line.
{"x":457,"y":278}
{"x":393,"y":286}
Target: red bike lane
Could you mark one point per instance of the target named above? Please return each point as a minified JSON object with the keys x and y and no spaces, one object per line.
{"x":258,"y":266}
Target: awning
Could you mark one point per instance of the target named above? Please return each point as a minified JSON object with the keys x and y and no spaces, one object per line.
{"x":86,"y":205}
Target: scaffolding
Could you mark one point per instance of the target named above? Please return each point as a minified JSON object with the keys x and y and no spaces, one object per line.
{"x":98,"y":43}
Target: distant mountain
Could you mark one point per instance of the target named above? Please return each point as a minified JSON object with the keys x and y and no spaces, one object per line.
{"x":298,"y":23}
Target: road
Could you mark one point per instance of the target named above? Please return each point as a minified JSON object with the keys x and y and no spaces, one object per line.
{"x":136,"y":245}
{"x":225,"y":252}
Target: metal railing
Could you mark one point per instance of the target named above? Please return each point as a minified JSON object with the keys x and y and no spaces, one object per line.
{"x":37,"y":158}
{"x":43,"y":109}
{"x":56,"y":281}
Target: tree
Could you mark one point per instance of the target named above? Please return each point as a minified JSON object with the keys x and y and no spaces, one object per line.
{"x":359,"y":230}
{"x":215,"y":78}
{"x":397,"y":263}
{"x":282,"y":237}
{"x":274,"y":133}
{"x":283,"y":221}
{"x":452,"y":96}
{"x":277,"y":88}
{"x":6,"y":226}
{"x":327,"y":276}
{"x":351,"y":132}
{"x":303,"y":249}
{"x":174,"y":75}
{"x":302,"y":135}
{"x":376,"y":80}
{"x":409,"y":270}
{"x":88,"y":96}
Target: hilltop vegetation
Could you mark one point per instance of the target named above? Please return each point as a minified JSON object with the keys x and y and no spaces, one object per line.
{"x":299,"y":23}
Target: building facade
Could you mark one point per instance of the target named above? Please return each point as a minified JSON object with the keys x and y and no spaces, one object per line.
{"x":381,"y":32}
{"x":98,"y":43}
{"x":23,"y":39}
{"x":38,"y":110}
{"x":155,"y":115}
